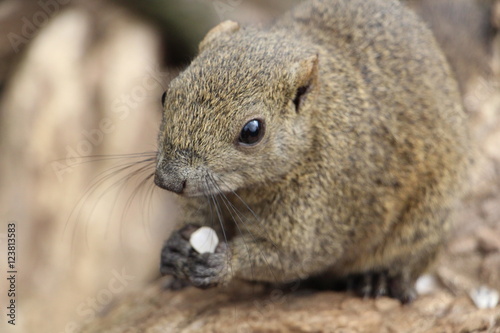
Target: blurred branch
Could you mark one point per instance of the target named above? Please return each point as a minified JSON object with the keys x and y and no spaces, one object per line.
{"x":182,"y":23}
{"x":20,"y":21}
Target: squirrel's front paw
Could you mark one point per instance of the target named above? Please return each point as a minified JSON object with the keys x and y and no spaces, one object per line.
{"x":178,"y":258}
{"x":175,"y":252}
{"x":207,"y":270}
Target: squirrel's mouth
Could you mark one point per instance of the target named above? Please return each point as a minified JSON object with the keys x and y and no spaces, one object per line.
{"x":204,"y":185}
{"x":204,"y":188}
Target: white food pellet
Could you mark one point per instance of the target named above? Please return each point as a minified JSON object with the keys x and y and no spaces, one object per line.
{"x":426,"y":284}
{"x":484,"y":297}
{"x":204,"y":240}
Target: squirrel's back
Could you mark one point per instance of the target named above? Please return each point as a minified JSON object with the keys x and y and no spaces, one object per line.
{"x":396,"y":70}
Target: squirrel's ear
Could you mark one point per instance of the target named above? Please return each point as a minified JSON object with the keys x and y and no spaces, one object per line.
{"x":306,"y":70}
{"x":305,"y":73}
{"x":224,"y":28}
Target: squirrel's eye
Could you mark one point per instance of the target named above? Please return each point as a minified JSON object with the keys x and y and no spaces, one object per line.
{"x":252,"y":132}
{"x":163,"y":98}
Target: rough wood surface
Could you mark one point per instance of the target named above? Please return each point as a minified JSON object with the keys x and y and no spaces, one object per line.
{"x":192,"y":310}
{"x":469,"y":262}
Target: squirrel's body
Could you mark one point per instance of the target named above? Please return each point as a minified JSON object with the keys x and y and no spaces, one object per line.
{"x":360,"y":162}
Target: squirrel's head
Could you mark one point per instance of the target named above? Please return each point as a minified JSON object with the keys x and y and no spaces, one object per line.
{"x":239,"y":115}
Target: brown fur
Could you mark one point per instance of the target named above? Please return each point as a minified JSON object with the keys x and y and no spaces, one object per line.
{"x":360,"y":179}
{"x":465,"y":32}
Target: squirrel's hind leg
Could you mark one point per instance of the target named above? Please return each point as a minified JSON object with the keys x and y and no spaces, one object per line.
{"x":376,"y":284}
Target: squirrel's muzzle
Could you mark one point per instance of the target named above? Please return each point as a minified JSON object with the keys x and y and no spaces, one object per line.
{"x":170,"y":181}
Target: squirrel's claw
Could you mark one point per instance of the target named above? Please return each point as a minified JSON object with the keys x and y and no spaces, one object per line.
{"x":376,"y":284}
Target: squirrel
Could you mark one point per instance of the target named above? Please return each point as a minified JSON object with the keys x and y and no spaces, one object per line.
{"x":330,"y":144}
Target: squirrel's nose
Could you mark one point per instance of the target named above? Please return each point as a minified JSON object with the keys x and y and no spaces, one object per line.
{"x":170,"y":182}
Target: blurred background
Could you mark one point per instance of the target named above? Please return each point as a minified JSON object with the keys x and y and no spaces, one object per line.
{"x":78,"y":79}
{"x":80,"y":90}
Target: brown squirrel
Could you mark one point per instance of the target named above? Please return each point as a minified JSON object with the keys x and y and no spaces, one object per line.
{"x":332,"y":144}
